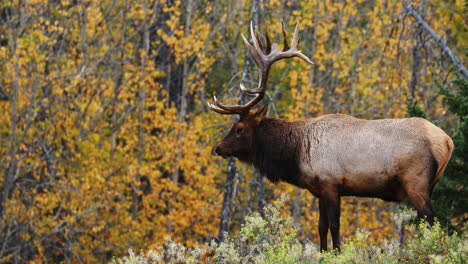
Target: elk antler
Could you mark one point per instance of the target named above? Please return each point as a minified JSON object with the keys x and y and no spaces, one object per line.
{"x":264,"y":57}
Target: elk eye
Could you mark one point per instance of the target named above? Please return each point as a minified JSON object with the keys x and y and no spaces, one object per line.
{"x":239,"y":130}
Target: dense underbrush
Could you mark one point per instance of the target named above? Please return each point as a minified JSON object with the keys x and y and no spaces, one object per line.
{"x":273,"y":239}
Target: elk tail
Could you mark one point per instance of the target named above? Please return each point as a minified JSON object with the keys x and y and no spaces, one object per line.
{"x":442,"y":156}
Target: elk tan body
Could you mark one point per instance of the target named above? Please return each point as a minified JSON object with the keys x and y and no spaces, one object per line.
{"x":336,"y":155}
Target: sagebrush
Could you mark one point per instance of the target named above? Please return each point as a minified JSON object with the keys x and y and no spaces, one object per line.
{"x":273,"y":239}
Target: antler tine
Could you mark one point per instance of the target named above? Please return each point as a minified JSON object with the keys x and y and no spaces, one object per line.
{"x":255,"y":39}
{"x":235,"y":109}
{"x":295,"y":43}
{"x":296,"y":38}
{"x":218,"y":110}
{"x":253,"y":52}
{"x":246,"y":90}
{"x":226,"y":110}
{"x":259,"y":40}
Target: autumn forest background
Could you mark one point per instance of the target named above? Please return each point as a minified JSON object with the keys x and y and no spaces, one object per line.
{"x":106,"y":138}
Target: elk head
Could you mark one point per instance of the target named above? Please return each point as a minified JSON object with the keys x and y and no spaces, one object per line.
{"x":238,"y":142}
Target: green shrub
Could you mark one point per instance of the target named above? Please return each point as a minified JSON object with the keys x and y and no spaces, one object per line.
{"x":170,"y":252}
{"x":270,"y":240}
{"x":433,"y":245}
{"x":273,"y":239}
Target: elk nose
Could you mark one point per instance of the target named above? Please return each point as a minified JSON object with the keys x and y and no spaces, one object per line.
{"x":216,"y":150}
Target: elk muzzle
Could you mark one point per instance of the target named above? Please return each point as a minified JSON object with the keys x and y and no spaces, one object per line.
{"x":221,"y":152}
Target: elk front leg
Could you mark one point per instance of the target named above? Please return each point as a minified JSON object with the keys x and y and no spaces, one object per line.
{"x":330,"y":204}
{"x":334,"y":220}
{"x":323,"y":224}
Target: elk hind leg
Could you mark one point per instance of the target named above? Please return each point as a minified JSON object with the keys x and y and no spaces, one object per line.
{"x":422,"y":204}
{"x":417,"y":187}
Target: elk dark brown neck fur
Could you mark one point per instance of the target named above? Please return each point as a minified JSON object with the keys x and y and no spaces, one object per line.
{"x":276,"y":150}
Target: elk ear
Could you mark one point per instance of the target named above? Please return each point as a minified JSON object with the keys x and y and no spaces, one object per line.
{"x":260,"y":113}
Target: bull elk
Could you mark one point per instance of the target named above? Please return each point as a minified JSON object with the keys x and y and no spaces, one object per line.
{"x":335,"y":155}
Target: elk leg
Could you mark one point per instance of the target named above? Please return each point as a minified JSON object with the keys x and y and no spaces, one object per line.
{"x":423,"y":206}
{"x":417,"y":182}
{"x":334,"y":220}
{"x":329,"y":210}
{"x":421,"y":201}
{"x":432,"y":215}
{"x":323,"y":224}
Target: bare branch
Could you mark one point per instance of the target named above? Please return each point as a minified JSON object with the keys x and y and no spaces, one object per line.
{"x":438,"y":40}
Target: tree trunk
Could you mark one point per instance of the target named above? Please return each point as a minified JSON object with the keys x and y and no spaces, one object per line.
{"x":8,"y":178}
{"x":141,"y":99}
{"x":414,"y":74}
{"x":184,"y":97}
{"x":223,"y":224}
{"x":232,"y":168}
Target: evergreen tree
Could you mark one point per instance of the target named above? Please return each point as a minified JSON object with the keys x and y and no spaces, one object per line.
{"x":451,"y":192}
{"x":414,"y":110}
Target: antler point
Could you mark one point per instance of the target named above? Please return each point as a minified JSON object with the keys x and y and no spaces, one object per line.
{"x":242,"y":87}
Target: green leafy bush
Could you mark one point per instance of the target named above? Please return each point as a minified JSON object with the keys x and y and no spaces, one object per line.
{"x":170,"y":253}
{"x":433,"y":245}
{"x":269,"y":240}
{"x":273,"y":240}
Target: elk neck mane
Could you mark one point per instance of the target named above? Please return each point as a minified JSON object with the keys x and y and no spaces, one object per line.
{"x":277,"y":149}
